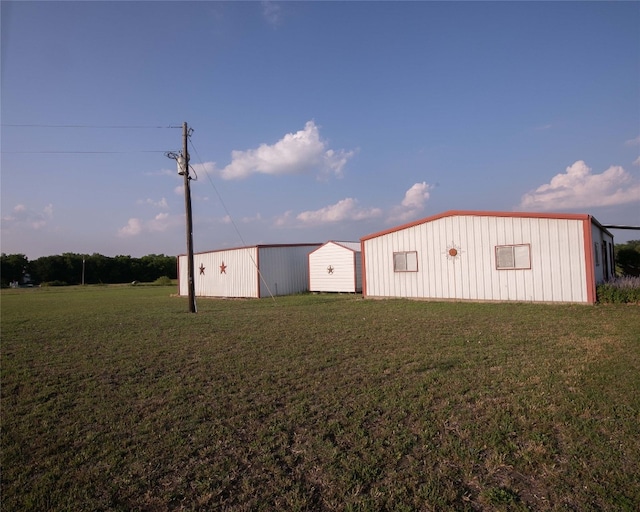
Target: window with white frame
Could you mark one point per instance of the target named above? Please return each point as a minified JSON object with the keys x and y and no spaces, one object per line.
{"x":405,"y":261}
{"x":513,"y":257}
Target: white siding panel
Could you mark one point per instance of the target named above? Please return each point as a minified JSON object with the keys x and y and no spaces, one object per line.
{"x":537,"y":286}
{"x":226,"y":273}
{"x":555,"y":246}
{"x":345,"y":264}
{"x":251,"y":272}
{"x":183,"y":286}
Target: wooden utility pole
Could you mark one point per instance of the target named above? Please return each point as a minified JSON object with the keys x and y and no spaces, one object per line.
{"x":187,"y":204}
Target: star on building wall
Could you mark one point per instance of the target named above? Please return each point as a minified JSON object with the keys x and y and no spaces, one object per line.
{"x":223,"y":268}
{"x":202,"y":267}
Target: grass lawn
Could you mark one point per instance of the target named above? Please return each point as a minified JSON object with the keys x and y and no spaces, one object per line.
{"x":116,"y":398}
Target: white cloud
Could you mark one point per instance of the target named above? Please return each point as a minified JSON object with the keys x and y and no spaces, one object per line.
{"x":271,"y":12}
{"x":295,"y":153}
{"x":344,"y":210}
{"x":133,"y":228}
{"x":162,"y":203}
{"x":250,"y":219}
{"x":579,"y":188}
{"x":335,"y":161}
{"x":25,"y":218}
{"x":412,"y":204}
{"x":637,"y":161}
{"x":163,"y":172}
{"x":161,"y":222}
{"x":349,"y":210}
{"x":633,"y":142}
{"x":285,"y":218}
{"x":417,"y":196}
{"x":202,"y":169}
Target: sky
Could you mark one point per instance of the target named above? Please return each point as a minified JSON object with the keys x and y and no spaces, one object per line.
{"x":311,"y":121}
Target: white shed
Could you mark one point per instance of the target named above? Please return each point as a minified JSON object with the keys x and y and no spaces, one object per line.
{"x":493,"y":256}
{"x":336,"y":267}
{"x":256,"y":271}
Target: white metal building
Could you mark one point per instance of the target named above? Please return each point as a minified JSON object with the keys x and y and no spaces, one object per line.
{"x":494,"y":256}
{"x":256,"y":271}
{"x":336,"y":267}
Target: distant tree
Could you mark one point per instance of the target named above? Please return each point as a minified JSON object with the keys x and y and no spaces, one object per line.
{"x":628,"y":258}
{"x":73,"y":267}
{"x":48,"y":268}
{"x":121,"y":270}
{"x":70,"y":268}
{"x":12,"y":268}
{"x":154,"y":266}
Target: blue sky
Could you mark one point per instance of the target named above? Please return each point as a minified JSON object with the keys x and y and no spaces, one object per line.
{"x":312,"y":121}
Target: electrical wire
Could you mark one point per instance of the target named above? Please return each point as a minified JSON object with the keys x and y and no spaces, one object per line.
{"x":56,"y":152}
{"x":92,"y":126}
{"x":115,"y":126}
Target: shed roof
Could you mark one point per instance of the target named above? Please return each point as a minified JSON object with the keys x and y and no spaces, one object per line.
{"x":353,"y":246}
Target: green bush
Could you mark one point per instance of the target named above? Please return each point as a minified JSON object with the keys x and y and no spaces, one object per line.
{"x":54,"y":283}
{"x":619,"y":290}
{"x":163,"y":281}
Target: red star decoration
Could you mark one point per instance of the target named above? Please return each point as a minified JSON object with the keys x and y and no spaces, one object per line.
{"x":223,"y":268}
{"x":202,"y":267}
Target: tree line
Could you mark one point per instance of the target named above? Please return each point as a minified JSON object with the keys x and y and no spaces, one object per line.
{"x":73,"y":269}
{"x":627,"y":258}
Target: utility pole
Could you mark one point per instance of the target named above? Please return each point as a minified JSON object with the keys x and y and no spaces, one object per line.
{"x":183,"y":169}
{"x":187,"y":204}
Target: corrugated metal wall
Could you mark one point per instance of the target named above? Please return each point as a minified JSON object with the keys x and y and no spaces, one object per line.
{"x":284,"y":270}
{"x":557,"y":270}
{"x":230,"y":273}
{"x":234,"y":272}
{"x":182,"y":276}
{"x":603,"y":261}
{"x":345,"y":264}
{"x":226,"y":273}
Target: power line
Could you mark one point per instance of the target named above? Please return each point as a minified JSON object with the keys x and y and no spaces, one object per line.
{"x":116,"y":126}
{"x":47,"y":152}
{"x":82,"y":126}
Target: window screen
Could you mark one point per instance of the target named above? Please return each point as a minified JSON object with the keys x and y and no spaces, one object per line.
{"x":405,"y":261}
{"x":513,"y":257}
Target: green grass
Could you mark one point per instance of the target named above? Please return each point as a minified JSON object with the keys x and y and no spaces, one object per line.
{"x":116,"y":398}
